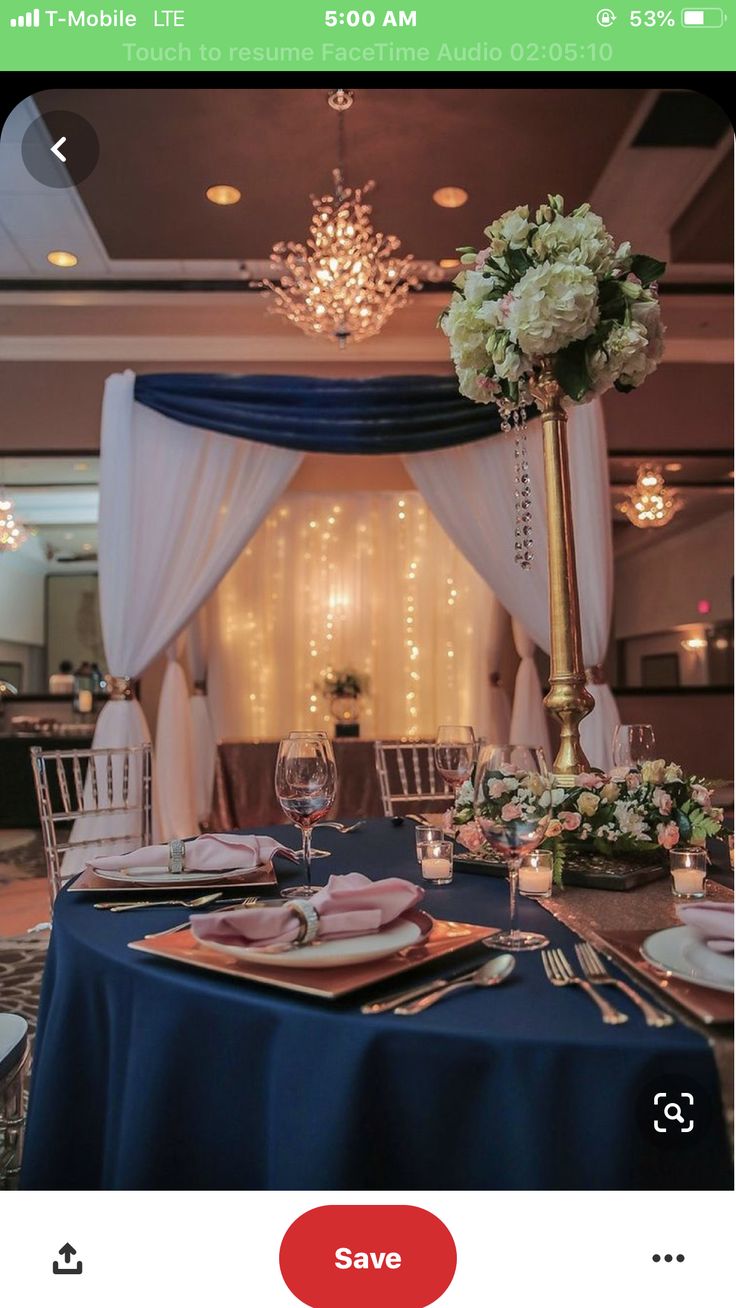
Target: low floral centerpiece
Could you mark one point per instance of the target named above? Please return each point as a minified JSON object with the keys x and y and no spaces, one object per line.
{"x":637,"y":814}
{"x":553,"y":285}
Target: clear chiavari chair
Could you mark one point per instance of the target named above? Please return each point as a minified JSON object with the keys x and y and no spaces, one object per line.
{"x":407,"y":776}
{"x":103,"y":795}
{"x":14,"y":1061}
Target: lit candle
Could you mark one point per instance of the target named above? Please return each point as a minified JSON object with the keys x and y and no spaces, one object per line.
{"x":436,"y":862}
{"x":688,"y":868}
{"x":535,"y":875}
{"x":84,"y":701}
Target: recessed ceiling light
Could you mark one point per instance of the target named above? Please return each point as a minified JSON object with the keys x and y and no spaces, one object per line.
{"x":81,"y":467}
{"x":673,"y":467}
{"x":87,"y":547}
{"x":449,"y":263}
{"x":68,"y":535}
{"x":450,"y":197}
{"x":62,"y":258}
{"x":223,"y":194}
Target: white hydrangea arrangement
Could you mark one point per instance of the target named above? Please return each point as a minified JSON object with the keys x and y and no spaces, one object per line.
{"x":553,"y":285}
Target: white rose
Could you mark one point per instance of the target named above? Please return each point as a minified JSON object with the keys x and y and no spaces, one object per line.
{"x":588,"y":803}
{"x":551,"y":306}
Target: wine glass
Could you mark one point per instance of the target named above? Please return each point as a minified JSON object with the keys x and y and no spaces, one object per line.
{"x":512,"y":803}
{"x":454,"y":755}
{"x":633,"y":744}
{"x":306,"y":781}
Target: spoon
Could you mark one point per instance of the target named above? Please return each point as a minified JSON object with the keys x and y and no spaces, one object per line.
{"x":492,"y":973}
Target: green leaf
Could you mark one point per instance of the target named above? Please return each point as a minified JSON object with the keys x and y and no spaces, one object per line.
{"x":517,"y":262}
{"x":647,"y":269}
{"x":465,"y":249}
{"x":571,"y":370}
{"x":612,"y":301}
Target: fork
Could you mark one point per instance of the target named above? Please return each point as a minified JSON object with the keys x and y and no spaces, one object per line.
{"x":340,"y":826}
{"x":162,"y":903}
{"x":250,"y":902}
{"x":598,"y":975}
{"x":559,"y":973}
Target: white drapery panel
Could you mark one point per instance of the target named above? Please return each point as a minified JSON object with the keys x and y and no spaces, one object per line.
{"x":175,"y":790}
{"x":470,"y":489}
{"x":529,"y":722}
{"x":203,"y":734}
{"x":369,"y":581}
{"x":177,"y":505}
{"x":498,"y":716}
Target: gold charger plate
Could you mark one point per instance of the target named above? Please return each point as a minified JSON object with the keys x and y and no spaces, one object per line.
{"x":444,"y":940}
{"x":88,"y":882}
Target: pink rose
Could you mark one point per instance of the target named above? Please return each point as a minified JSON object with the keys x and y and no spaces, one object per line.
{"x":510,"y":812}
{"x":497,"y":789}
{"x":469,"y":836}
{"x":668,"y":834}
{"x":480,"y":258}
{"x":570,"y":821}
{"x":633,"y":780}
{"x":554,"y":829}
{"x":506,"y":303}
{"x":589,"y":781}
{"x":662,"y":801}
{"x":701,"y":795}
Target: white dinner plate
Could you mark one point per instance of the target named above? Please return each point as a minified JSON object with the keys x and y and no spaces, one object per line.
{"x":337,"y":953}
{"x":157,"y":876}
{"x":680,"y":951}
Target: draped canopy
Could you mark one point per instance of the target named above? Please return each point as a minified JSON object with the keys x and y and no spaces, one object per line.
{"x":180,"y":500}
{"x":322,"y":415}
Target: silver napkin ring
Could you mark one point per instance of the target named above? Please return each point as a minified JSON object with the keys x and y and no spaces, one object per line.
{"x":176,"y":856}
{"x":309,"y":919}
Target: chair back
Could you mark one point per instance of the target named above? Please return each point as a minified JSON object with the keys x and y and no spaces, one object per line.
{"x":103,"y":794}
{"x":14,"y":1060}
{"x":407,"y":775}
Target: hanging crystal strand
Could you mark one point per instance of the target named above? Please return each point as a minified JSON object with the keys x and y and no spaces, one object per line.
{"x":523,"y":540}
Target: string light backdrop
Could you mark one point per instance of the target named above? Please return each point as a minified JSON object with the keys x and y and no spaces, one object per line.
{"x":367,"y":581}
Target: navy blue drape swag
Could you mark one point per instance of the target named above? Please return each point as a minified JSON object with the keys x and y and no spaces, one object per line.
{"x":377,"y":415}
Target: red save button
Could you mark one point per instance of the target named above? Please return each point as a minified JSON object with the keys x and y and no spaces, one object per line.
{"x":364,"y":1255}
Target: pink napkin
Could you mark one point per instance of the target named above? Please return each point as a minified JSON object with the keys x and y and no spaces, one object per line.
{"x":713,"y":923}
{"x":211,"y":853}
{"x":351,"y":905}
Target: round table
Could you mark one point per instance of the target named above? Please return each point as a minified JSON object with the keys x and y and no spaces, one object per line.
{"x":150,"y":1075}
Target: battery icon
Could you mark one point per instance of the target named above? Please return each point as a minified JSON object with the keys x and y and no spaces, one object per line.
{"x":703,"y":18}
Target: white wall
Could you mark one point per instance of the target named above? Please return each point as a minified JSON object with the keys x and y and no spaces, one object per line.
{"x":22,"y":602}
{"x":659,"y":587}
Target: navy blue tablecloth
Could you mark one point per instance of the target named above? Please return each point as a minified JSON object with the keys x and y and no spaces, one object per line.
{"x":151,"y":1075}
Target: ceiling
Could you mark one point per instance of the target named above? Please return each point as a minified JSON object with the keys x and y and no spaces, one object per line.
{"x":652,"y":160}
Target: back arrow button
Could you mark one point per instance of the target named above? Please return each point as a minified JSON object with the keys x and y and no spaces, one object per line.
{"x":55,"y":149}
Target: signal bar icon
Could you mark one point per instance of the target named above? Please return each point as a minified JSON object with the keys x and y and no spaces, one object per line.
{"x":30,"y":19}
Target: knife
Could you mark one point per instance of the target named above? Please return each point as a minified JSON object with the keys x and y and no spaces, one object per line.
{"x":391,"y":1001}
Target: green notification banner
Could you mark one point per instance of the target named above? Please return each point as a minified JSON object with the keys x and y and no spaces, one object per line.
{"x":305,"y":36}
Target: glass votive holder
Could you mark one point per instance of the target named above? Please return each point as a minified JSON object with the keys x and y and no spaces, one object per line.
{"x":427,"y":836}
{"x":536,"y":873}
{"x":730,"y":849}
{"x":688,"y":868}
{"x":436,"y":862}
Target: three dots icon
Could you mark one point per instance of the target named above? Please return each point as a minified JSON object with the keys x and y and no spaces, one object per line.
{"x":668,"y":1258}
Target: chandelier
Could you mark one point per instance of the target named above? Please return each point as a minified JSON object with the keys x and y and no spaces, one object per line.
{"x":348,"y":280}
{"x":649,"y":503}
{"x":12,"y":533}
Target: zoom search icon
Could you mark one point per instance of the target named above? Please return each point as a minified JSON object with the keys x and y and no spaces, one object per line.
{"x":605,"y":18}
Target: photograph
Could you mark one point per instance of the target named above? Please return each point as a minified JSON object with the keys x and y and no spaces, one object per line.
{"x":366,"y":636}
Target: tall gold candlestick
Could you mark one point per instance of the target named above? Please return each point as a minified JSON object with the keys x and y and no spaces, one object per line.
{"x":568,"y":699}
